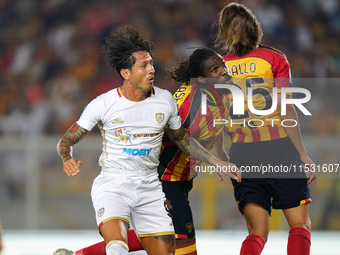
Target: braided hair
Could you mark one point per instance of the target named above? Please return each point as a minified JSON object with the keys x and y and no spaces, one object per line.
{"x":191,"y":67}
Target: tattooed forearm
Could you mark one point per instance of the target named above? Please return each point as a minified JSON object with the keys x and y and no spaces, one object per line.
{"x":75,"y":134}
{"x":64,"y":149}
{"x":189,"y":145}
{"x":168,"y":239}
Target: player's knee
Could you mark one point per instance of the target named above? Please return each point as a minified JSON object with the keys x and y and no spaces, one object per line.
{"x":264,"y":237}
{"x":117,"y":247}
{"x":307,"y":224}
{"x":261,"y":231}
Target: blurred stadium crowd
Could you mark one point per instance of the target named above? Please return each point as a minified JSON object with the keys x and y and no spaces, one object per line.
{"x":51,"y":64}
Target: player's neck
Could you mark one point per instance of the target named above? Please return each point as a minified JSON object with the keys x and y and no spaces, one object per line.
{"x":134,"y":94}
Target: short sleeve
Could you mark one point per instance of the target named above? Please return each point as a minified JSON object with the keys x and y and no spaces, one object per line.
{"x":283,"y":74}
{"x":174,"y":121}
{"x":92,"y":114}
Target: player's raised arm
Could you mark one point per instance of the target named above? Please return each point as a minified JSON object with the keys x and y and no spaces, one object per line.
{"x":64,"y":148}
{"x":193,"y":148}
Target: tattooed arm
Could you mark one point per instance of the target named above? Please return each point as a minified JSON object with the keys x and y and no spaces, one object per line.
{"x":193,"y":148}
{"x":64,"y":148}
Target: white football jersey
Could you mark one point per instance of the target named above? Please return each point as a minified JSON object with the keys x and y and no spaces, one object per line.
{"x":132,"y":131}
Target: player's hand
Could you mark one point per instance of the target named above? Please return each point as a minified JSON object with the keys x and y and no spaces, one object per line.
{"x":310,"y":170}
{"x":220,"y":176}
{"x":71,"y":167}
{"x":229,"y":169}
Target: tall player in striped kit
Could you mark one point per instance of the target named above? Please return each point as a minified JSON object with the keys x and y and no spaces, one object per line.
{"x":262,"y":67}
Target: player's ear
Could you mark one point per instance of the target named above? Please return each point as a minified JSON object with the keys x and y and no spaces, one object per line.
{"x":200,"y":79}
{"x":125,"y":73}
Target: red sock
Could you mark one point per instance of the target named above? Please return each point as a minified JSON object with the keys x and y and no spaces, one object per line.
{"x":298,"y":242}
{"x":100,"y":248}
{"x":133,"y":241}
{"x":252,"y":245}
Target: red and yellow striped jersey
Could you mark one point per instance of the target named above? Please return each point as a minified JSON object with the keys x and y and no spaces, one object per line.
{"x":174,"y":164}
{"x":262,"y":70}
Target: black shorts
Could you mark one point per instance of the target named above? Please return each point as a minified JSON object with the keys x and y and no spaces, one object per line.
{"x":177,"y":193}
{"x":279,"y":193}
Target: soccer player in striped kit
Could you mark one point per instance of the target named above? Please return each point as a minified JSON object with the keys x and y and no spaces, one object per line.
{"x":263,"y":140}
{"x":177,"y":169}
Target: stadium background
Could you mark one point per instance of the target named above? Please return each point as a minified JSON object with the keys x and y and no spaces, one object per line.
{"x":51,"y":66}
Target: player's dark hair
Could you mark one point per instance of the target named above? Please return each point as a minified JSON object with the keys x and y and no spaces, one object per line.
{"x":122,"y":43}
{"x":238,"y":30}
{"x":191,"y":67}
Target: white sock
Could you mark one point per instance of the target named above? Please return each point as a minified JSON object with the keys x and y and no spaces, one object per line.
{"x":117,"y":247}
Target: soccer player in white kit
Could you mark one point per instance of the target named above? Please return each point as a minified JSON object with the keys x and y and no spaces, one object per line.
{"x":132,"y":120}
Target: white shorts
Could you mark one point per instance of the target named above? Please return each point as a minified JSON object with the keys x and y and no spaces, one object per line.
{"x":117,"y":196}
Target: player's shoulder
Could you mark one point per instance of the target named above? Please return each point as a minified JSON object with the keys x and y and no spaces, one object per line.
{"x":107,"y":98}
{"x":113,"y":93}
{"x":183,"y":90}
{"x":229,"y":56}
{"x":270,"y":50}
{"x":162,"y":93}
{"x":263,"y":51}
